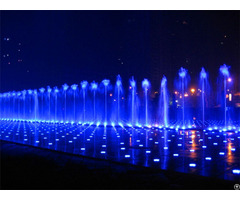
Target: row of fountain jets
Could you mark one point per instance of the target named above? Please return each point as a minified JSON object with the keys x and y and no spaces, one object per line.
{"x":34,"y":105}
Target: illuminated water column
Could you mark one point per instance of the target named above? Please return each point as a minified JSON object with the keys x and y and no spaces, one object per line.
{"x":84,"y":85}
{"x":42,"y":93}
{"x":74,"y":88}
{"x":49,"y":90}
{"x":224,"y":70}
{"x":1,"y":106}
{"x":65,"y":87}
{"x":94,"y":87}
{"x":203,"y":79}
{"x":145,"y":86}
{"x":35,"y":103}
{"x":55,"y":94}
{"x":24,"y":103}
{"x":119,"y":89}
{"x":30,"y":104}
{"x":182,"y":74}
{"x":19,"y":102}
{"x":133,"y":87}
{"x":105,"y":83}
{"x":163,"y":106}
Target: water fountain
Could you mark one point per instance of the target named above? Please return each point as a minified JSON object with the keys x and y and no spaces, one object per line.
{"x":56,"y":100}
{"x":119,"y":91}
{"x":69,"y":104}
{"x":225,"y":72}
{"x":145,"y":86}
{"x":94,"y":87}
{"x":84,"y":87}
{"x":49,"y":90}
{"x":203,"y":82}
{"x":74,"y":88}
{"x":163,"y":104}
{"x":105,"y":83}
{"x":133,"y":100}
{"x":65,"y":87}
{"x":182,"y":74}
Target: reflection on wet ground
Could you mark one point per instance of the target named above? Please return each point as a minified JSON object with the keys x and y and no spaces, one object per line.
{"x":206,"y":153}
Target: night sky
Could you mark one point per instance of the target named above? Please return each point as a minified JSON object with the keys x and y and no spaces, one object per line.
{"x":57,"y":47}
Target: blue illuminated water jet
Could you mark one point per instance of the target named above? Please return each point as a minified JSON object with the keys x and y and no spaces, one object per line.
{"x":145,"y":86}
{"x":203,"y":81}
{"x":163,"y":104}
{"x":182,"y":74}
{"x":225,"y":72}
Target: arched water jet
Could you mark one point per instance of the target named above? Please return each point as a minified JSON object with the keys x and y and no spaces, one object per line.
{"x":145,"y":86}
{"x":84,"y":86}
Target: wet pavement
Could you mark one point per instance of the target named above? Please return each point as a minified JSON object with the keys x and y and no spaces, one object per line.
{"x":206,"y":153}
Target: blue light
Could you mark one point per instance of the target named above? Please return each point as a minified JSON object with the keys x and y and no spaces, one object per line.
{"x":74,"y":86}
{"x":119,"y":81}
{"x":106,"y":82}
{"x":175,"y":154}
{"x":42,"y":90}
{"x":49,"y":90}
{"x":133,"y":83}
{"x":208,"y":158}
{"x":203,"y":73}
{"x":224,"y":70}
{"x":65,"y":87}
{"x":156,"y":160}
{"x":145,"y":83}
{"x":84,"y":84}
{"x":127,"y":156}
{"x":182,"y":72}
{"x":103,"y":152}
{"x":192,"y":165}
{"x":204,"y":147}
{"x":221,"y":153}
{"x":236,"y":171}
{"x":94,"y":85}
